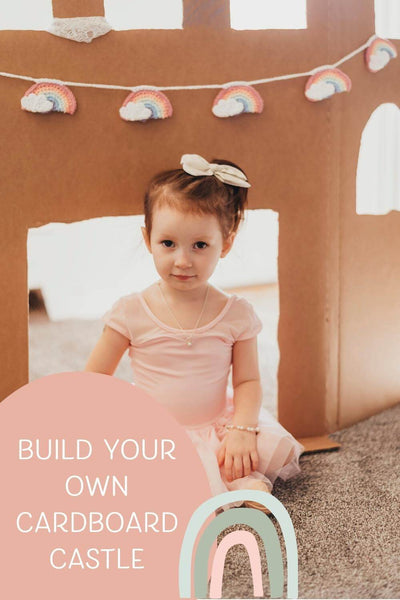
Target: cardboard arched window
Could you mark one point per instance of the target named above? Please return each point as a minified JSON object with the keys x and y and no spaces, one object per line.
{"x":378,"y":170}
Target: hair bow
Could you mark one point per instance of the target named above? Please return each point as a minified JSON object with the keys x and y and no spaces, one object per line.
{"x":198,"y":166}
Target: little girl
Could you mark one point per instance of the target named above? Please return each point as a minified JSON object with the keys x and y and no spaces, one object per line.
{"x":184,"y":334}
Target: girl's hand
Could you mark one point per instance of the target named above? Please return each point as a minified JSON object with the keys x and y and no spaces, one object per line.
{"x":238,"y":454}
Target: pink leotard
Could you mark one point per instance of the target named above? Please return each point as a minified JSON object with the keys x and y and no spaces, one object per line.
{"x":191,"y":381}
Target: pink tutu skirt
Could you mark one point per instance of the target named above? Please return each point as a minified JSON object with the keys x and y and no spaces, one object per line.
{"x":278,"y":451}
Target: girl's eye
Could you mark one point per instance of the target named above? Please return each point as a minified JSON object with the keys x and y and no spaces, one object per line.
{"x":200,"y":245}
{"x":167,"y":243}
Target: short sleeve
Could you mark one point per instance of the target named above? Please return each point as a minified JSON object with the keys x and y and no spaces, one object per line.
{"x":116,"y":318}
{"x":250,"y":324}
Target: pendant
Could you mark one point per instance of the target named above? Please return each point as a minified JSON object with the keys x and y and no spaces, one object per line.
{"x":189,"y":342}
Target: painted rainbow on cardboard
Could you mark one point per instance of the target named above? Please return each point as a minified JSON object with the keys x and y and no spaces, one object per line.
{"x":237,"y":99}
{"x":378,"y":54}
{"x":145,"y":104}
{"x":60,"y":96}
{"x":325,"y":83}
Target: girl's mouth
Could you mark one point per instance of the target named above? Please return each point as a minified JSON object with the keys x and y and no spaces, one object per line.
{"x":183,"y":277}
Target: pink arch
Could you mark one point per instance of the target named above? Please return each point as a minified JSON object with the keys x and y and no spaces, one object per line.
{"x":217,"y":570}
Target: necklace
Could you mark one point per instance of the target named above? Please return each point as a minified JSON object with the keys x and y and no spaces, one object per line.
{"x":188,"y":338}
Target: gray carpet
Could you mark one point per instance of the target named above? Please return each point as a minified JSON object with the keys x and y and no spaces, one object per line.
{"x":344,"y":505}
{"x":345,"y":508}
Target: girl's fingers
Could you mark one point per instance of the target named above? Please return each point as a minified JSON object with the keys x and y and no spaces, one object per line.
{"x":221,"y":456}
{"x":246,"y":465}
{"x":238,"y":467}
{"x":254,"y":460}
{"x":228,"y":466}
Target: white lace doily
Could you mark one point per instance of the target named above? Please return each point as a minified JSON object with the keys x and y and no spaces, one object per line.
{"x":80,"y":29}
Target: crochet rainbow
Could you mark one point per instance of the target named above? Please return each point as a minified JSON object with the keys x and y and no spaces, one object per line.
{"x":325,"y":83}
{"x":246,"y":95}
{"x":379,"y":53}
{"x":157,"y":104}
{"x":61,"y":97}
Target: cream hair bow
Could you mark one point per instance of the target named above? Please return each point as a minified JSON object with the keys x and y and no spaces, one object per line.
{"x":197,"y":165}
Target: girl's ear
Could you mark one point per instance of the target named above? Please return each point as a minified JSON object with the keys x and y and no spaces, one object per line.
{"x":146,"y":238}
{"x":228,"y":243}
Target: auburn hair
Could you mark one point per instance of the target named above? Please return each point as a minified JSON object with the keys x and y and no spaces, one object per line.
{"x":203,"y":194}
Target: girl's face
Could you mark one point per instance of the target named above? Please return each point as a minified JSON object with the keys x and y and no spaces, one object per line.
{"x":185,"y":247}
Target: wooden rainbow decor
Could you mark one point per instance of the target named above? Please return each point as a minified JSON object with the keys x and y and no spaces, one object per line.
{"x":378,"y":54}
{"x":145,"y":104}
{"x":237,"y":99}
{"x":47,"y":97}
{"x":326,"y":82}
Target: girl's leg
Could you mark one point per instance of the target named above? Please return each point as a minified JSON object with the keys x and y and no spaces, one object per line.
{"x":252,"y":483}
{"x":261,"y":486}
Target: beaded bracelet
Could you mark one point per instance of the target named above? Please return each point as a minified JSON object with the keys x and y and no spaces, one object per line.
{"x":243,"y":428}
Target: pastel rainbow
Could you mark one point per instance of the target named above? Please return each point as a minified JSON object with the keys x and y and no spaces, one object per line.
{"x":340,"y":81}
{"x":200,"y":535}
{"x":154,"y":100}
{"x":62,"y":98}
{"x":376,"y":46}
{"x":246,"y":94}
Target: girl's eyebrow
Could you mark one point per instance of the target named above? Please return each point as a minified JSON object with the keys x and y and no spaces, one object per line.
{"x":196,"y":238}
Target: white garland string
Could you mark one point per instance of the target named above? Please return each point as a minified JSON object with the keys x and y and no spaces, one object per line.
{"x":190,"y":87}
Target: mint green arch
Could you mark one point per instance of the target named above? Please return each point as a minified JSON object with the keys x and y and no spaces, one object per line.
{"x":202,"y":513}
{"x":243,"y":516}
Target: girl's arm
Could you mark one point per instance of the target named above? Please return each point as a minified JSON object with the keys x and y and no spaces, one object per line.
{"x":238,"y":451}
{"x":108,"y":352}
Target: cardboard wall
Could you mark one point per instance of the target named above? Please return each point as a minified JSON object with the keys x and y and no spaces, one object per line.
{"x":300,"y":157}
{"x":369,"y":283}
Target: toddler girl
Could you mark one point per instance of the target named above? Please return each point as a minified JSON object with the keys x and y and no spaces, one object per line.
{"x":184,"y":334}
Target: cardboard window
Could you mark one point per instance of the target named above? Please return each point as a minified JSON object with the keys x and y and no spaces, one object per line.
{"x":378,"y":171}
{"x":268,"y":14}
{"x":144,"y":14}
{"x":25,"y":14}
{"x":387,"y":18}
{"x":79,"y":283}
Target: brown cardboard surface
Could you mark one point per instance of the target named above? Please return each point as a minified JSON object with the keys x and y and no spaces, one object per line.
{"x":211,"y":14}
{"x":338,"y":272}
{"x":78,"y":8}
{"x":318,"y":444}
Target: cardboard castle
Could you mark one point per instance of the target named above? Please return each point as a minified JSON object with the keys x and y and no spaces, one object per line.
{"x":339,"y":272}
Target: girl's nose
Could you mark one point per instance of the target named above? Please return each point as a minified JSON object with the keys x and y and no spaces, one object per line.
{"x":183,"y":260}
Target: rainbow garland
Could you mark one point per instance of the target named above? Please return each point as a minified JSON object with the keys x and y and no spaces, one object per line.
{"x":145,"y":103}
